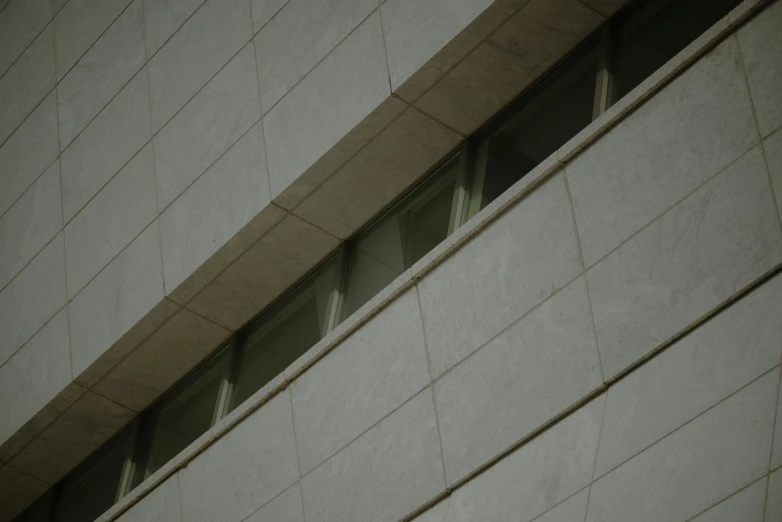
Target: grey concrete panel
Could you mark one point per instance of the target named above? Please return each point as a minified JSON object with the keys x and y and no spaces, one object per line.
{"x":731,"y":350}
{"x":163,"y":18}
{"x":32,"y":298}
{"x":706,"y":460}
{"x":517,"y":382}
{"x":537,"y":476}
{"x":180,"y":344}
{"x":20,"y":23}
{"x":518,"y":53}
{"x":29,"y":225}
{"x":263,"y":11}
{"x":28,"y":152}
{"x":161,"y":505}
{"x":17,"y":491}
{"x":774,"y":497}
{"x":35,"y":375}
{"x":263,"y":273}
{"x":500,"y":275}
{"x":388,"y":165}
{"x":761,"y":46}
{"x":41,"y":420}
{"x":436,"y":514}
{"x":245,"y":469}
{"x":347,"y":86}
{"x":350,"y":486}
{"x":687,"y":133}
{"x":571,"y":510}
{"x":90,"y":422}
{"x":124,"y":291}
{"x":746,"y":505}
{"x":773,"y":149}
{"x":285,"y":507}
{"x":26,"y":83}
{"x":298,"y":37}
{"x":113,"y":60}
{"x":104,"y":147}
{"x":416,"y":32}
{"x":710,"y":245}
{"x":776,"y":455}
{"x":193,"y":55}
{"x":207,"y":126}
{"x":110,"y":221}
{"x":215,"y":208}
{"x":78,"y":24}
{"x":365,"y":378}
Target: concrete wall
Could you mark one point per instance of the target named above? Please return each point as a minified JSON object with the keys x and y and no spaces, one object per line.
{"x":608,"y":349}
{"x":155,"y":208}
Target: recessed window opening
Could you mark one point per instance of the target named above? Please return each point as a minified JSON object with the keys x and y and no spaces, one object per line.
{"x":599,"y":72}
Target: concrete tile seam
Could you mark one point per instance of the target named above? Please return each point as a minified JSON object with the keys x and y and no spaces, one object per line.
{"x":707,"y":316}
{"x":469,"y":52}
{"x":385,"y":48}
{"x":152,"y":222}
{"x":675,"y":203}
{"x":195,"y":449}
{"x":272,"y":17}
{"x":31,"y":337}
{"x":771,"y":451}
{"x":757,"y":127}
{"x":722,"y":501}
{"x":560,"y":503}
{"x":32,"y":110}
{"x":319,"y":61}
{"x":690,"y":421}
{"x":510,"y":326}
{"x":31,"y":183}
{"x":51,"y":20}
{"x":295,"y":438}
{"x":64,"y":74}
{"x":614,"y":116}
{"x":60,"y":231}
{"x":583,"y":267}
{"x":341,"y":165}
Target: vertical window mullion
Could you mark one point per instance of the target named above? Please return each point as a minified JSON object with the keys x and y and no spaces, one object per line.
{"x":224,"y":392}
{"x":460,"y":189}
{"x":126,"y":479}
{"x":337,"y":289}
{"x":603,"y":85}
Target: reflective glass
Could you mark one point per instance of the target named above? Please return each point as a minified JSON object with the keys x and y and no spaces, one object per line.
{"x":94,"y":488}
{"x":653,"y":32}
{"x":534,"y":127}
{"x":402,"y":237}
{"x":283,"y":334}
{"x":181,"y":417}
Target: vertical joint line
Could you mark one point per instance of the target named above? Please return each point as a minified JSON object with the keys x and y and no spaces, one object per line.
{"x":334,"y":306}
{"x":460,"y":188}
{"x":603,"y":81}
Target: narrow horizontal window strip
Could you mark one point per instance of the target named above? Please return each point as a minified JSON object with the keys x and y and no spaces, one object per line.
{"x":566,"y":99}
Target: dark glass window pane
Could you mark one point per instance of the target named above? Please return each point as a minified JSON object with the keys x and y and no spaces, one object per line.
{"x":536,"y":126}
{"x":402,"y":237}
{"x":653,"y":32}
{"x":283,"y":335}
{"x":185,"y":414}
{"x":94,"y":488}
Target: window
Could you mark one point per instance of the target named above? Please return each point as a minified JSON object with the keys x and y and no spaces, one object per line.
{"x":181,"y":417}
{"x":603,"y":69}
{"x":537,"y":125}
{"x":651,"y":33}
{"x":95,"y":487}
{"x":400,"y":238}
{"x":283,"y":335}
